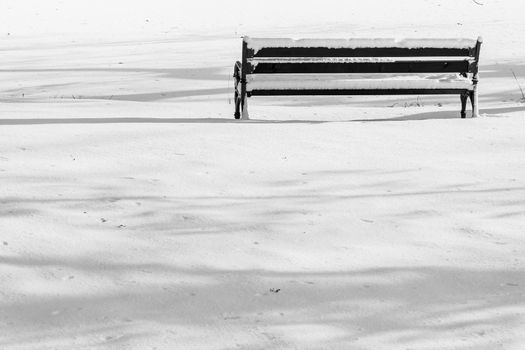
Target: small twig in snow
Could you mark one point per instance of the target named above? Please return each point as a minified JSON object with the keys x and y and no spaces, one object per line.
{"x":477,"y":2}
{"x":519,"y":85}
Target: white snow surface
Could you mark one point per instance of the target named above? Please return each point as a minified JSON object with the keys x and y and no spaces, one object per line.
{"x":136,"y":213}
{"x":457,"y":43}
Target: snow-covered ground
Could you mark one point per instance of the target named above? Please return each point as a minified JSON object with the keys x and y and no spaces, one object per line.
{"x":135,"y":213}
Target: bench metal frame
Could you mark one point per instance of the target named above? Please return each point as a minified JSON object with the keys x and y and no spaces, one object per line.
{"x":464,"y":61}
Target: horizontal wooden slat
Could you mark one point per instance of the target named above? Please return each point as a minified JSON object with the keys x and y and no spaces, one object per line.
{"x":356,"y":81}
{"x":356,"y":59}
{"x":357,"y":52}
{"x":357,"y":92}
{"x":342,"y":68}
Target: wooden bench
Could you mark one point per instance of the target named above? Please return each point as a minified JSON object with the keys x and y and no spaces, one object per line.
{"x":271,"y":67}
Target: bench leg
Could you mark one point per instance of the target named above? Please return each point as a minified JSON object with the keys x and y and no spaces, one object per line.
{"x":236,"y":95}
{"x":240,"y":96}
{"x":474,"y":101}
{"x":464,"y":98}
{"x":244,"y":107}
{"x":237,"y":100}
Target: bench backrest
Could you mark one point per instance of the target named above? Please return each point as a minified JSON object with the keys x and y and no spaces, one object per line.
{"x":317,"y":56}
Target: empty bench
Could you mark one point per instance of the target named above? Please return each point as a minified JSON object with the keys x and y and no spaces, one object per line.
{"x":288,"y":67}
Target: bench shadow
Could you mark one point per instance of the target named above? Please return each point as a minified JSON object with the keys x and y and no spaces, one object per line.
{"x":417,"y":116}
{"x":149,"y":120}
{"x":444,"y":115}
{"x":448,"y":114}
{"x":152,"y":120}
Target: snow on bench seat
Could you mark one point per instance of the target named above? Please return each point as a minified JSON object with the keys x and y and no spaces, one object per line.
{"x":256,"y":60}
{"x":356,"y":82}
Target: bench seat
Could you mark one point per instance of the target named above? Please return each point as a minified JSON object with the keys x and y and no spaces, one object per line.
{"x":356,"y":82}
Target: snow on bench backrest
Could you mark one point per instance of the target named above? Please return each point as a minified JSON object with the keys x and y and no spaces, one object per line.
{"x":269,"y":47}
{"x":319,"y":56}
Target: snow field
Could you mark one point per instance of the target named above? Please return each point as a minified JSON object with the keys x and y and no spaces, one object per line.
{"x":135,"y":213}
